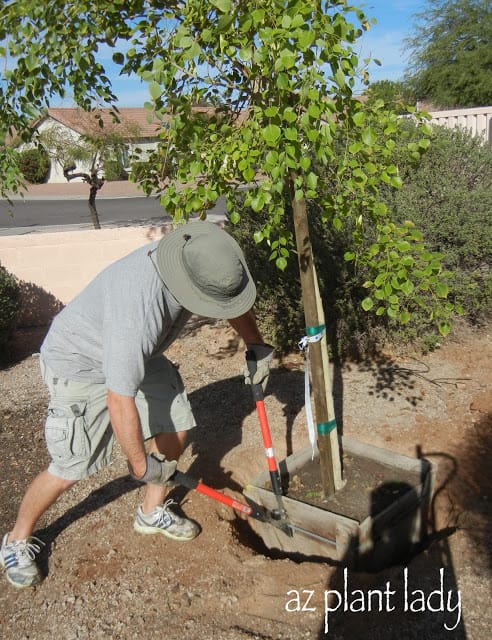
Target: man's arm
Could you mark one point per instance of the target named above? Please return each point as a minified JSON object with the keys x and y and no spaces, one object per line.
{"x":245,"y":325}
{"x":126,"y":426}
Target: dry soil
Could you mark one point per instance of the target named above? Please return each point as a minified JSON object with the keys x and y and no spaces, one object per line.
{"x":105,"y":581}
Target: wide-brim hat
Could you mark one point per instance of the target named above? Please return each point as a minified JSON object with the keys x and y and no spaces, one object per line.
{"x":205,"y":270}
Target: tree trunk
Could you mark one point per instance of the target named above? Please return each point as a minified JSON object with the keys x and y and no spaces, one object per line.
{"x":329,"y":450}
{"x":92,"y":206}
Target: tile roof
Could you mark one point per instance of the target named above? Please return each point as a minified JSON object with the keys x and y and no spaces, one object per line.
{"x":133,"y":123}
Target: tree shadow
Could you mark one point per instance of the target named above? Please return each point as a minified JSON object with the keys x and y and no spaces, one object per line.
{"x":392,"y":380}
{"x":96,"y":500}
{"x":403,"y":582}
{"x":37,"y":309}
{"x":471,"y":494}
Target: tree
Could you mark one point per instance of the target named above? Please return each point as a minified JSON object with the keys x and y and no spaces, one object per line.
{"x":283,"y":73}
{"x":393,"y":93}
{"x":100,"y":147}
{"x":451,"y":53}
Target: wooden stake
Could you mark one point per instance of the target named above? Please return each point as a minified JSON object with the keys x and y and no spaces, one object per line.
{"x":329,"y":451}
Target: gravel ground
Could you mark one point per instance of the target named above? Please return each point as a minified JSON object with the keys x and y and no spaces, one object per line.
{"x":105,"y":581}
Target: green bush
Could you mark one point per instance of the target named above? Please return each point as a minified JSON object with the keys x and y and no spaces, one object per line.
{"x":34,"y":165}
{"x":447,"y":194}
{"x":9,"y":307}
{"x":114,"y":170}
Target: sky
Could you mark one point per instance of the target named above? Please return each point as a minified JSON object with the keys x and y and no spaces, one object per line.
{"x":384,"y":41}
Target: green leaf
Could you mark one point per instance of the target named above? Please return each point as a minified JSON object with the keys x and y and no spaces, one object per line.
{"x":290,"y":133}
{"x":305,"y":39}
{"x":249,"y":173}
{"x":281,"y":263}
{"x":369,"y":136}
{"x":359,"y":118}
{"x":118,"y":57}
{"x":405,"y":317}
{"x":311,"y":180}
{"x":442,"y":291}
{"x":155,"y":90}
{"x":234,"y":217}
{"x":367,"y":304}
{"x":340,"y":78}
{"x":337,"y":223}
{"x":407,"y":287}
{"x":355,"y":147}
{"x":271,"y":111}
{"x":225,"y":6}
{"x":289,"y":115}
{"x":271,"y":134}
{"x":444,"y":328}
{"x":286,"y":60}
{"x":31,"y":62}
{"x":282,"y":81}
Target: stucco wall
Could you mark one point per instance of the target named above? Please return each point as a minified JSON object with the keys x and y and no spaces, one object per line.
{"x":54,"y":267}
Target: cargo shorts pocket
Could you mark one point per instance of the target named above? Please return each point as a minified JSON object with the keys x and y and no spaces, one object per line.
{"x":66,"y":431}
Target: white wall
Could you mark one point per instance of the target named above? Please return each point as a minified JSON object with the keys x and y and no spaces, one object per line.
{"x":477,"y":120}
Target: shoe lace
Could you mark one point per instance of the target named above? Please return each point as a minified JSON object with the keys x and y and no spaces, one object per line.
{"x":25,"y":551}
{"x":165,"y":516}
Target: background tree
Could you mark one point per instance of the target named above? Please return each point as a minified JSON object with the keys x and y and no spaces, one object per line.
{"x":97,"y":155}
{"x":395,"y":94}
{"x":451,"y":53}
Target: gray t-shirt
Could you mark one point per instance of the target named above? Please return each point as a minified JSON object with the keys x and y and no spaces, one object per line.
{"x":120,"y":320}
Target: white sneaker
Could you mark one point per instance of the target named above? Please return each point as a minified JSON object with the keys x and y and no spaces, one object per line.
{"x":18,"y":559}
{"x":163,"y":520}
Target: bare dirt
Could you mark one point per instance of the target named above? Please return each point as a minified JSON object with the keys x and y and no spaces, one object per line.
{"x":369,"y":487}
{"x":105,"y":581}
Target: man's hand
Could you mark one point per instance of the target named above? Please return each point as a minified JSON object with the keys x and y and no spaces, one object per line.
{"x":158,"y":471}
{"x":262,"y":354}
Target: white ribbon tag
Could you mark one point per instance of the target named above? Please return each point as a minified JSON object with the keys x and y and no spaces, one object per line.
{"x":304,"y":345}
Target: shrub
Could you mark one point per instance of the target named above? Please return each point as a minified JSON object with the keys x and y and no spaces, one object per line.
{"x":34,"y":165}
{"x":447,"y":194}
{"x":9,"y":307}
{"x":114,"y":170}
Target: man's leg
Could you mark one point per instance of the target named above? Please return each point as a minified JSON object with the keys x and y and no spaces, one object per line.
{"x":44,"y":490}
{"x":155,"y":514}
{"x":172,"y":446}
{"x":165,"y":416}
{"x":18,"y":548}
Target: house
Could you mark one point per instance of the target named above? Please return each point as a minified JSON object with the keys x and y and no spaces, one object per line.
{"x":63,"y":128}
{"x":60,"y":128}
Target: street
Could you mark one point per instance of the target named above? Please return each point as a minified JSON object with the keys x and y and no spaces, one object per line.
{"x":37,"y":214}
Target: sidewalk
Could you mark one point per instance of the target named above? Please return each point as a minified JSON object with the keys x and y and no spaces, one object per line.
{"x":79,"y":191}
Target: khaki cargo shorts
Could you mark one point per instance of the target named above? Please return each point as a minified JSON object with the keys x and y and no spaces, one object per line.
{"x":78,"y":431}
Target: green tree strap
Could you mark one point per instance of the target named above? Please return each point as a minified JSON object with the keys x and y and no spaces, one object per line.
{"x":324,"y":428}
{"x":313,"y":331}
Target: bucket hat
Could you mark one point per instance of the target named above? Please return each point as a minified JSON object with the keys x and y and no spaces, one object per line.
{"x":205,"y":270}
